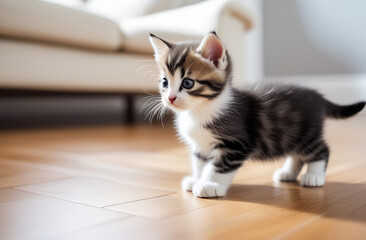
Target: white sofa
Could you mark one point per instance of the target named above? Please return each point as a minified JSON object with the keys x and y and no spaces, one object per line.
{"x":53,"y":48}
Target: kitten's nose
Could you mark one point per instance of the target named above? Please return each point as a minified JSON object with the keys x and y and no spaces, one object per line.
{"x":172,"y":99}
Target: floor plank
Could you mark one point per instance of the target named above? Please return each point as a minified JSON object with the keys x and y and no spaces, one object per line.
{"x":29,"y":216}
{"x":134,"y":228}
{"x":161,"y":207}
{"x":14,"y":174}
{"x":94,"y":192}
{"x":327,"y":228}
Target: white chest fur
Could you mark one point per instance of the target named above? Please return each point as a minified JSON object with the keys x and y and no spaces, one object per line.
{"x":198,"y":138}
{"x":190,"y":124}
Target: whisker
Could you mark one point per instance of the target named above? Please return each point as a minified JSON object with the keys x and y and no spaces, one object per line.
{"x":149,"y":72}
{"x":149,"y":104}
{"x":154,"y":108}
{"x":146,"y":66}
{"x":147,"y":60}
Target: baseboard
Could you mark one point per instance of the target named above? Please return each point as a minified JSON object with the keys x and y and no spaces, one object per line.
{"x":341,"y":89}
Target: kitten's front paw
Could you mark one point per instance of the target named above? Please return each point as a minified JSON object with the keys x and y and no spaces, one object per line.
{"x":188,"y":182}
{"x":206,"y":189}
{"x":312,"y":180}
{"x":284,"y":176}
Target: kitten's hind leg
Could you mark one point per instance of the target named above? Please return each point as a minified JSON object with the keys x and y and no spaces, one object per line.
{"x":289,"y":171}
{"x":315,"y":175}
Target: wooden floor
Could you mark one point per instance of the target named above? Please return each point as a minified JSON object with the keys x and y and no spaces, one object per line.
{"x":124,"y":183}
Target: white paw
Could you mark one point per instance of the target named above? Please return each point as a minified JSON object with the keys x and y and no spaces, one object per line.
{"x":312,"y":180}
{"x":284,"y":176}
{"x":188,"y":182}
{"x":206,"y":189}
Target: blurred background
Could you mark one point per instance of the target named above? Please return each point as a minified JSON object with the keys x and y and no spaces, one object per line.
{"x":88,"y":62}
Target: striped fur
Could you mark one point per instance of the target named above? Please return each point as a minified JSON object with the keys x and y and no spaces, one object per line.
{"x":223,"y":127}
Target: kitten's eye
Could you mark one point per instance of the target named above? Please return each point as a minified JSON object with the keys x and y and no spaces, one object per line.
{"x":165,"y":83}
{"x":187,"y":83}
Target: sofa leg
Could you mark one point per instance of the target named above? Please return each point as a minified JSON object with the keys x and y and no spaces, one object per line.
{"x":129,"y":112}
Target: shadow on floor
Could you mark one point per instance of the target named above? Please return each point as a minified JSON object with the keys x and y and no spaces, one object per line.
{"x":335,"y":200}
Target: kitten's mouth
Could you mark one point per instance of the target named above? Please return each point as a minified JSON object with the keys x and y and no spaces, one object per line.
{"x":175,"y":106}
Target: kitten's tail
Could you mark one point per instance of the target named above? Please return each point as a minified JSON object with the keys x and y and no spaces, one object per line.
{"x":337,"y":111}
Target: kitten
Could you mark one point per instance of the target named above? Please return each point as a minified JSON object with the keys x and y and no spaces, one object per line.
{"x":224,"y":126}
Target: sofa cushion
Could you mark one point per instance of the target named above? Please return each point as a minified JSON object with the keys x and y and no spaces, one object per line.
{"x":30,"y":65}
{"x":185,"y":23}
{"x":120,"y":10}
{"x":44,"y":21}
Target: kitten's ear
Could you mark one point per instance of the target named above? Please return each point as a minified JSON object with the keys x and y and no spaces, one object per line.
{"x":159,"y":45}
{"x":212,"y":49}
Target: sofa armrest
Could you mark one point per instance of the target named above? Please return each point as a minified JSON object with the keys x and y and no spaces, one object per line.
{"x":186,"y":23}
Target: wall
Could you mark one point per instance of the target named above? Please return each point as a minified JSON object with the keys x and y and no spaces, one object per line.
{"x":312,"y":37}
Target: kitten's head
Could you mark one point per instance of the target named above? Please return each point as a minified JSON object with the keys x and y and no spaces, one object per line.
{"x":191,"y":73}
